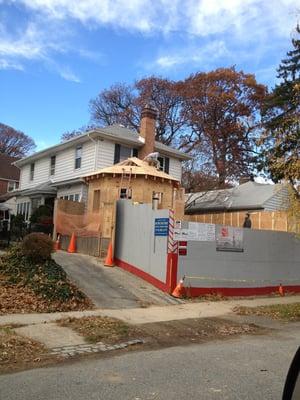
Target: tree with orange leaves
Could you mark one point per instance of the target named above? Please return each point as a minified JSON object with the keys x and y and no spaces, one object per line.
{"x":222,"y":108}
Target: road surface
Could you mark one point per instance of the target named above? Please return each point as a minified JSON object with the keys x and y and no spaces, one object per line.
{"x":244,"y":368}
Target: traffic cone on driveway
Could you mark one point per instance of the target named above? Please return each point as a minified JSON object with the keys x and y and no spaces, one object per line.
{"x":109,"y":261}
{"x":179,"y":291}
{"x":72,"y":245}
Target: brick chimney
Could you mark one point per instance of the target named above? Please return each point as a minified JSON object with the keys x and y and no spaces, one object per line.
{"x":148,"y":130}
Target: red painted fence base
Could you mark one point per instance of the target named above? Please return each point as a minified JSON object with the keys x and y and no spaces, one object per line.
{"x":240,"y":291}
{"x":142,"y":274}
{"x":171,"y":282}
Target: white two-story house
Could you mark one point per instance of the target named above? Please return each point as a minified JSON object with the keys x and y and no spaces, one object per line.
{"x":58,"y":170}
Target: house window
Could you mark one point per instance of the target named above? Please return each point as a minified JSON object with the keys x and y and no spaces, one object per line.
{"x":12,"y":186}
{"x":52,"y":165}
{"x":78,"y":154}
{"x":70,"y":197}
{"x":23,"y":208}
{"x":123,"y":152}
{"x":32,"y":171}
{"x":125,"y":193}
{"x":96,"y":201}
{"x":161,"y":163}
{"x":164,"y":164}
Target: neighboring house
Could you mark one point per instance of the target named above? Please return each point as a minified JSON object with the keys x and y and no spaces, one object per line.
{"x":9,"y":182}
{"x":58,"y":170}
{"x":249,"y":196}
{"x":267,"y":205}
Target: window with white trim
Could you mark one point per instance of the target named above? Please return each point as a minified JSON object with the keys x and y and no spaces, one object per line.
{"x":31,"y":177}
{"x":52,"y":165}
{"x":78,"y":155}
{"x":12,"y":185}
{"x":71,"y":197}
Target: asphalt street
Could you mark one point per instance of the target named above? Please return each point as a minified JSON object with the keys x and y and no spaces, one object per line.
{"x":248,"y":367}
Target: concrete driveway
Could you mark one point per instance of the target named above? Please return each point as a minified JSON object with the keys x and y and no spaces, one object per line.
{"x":110,"y":288}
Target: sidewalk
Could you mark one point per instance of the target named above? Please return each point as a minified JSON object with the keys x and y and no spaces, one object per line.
{"x":152,"y":314}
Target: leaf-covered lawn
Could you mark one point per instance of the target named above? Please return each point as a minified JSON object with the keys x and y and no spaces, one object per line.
{"x":43,"y":286}
{"x":287,"y":312}
{"x":15,"y":348}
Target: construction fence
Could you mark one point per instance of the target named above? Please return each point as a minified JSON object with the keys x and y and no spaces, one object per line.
{"x":93,"y":231}
{"x":212,"y":258}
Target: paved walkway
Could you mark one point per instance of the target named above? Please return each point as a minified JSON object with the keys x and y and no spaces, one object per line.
{"x":51,"y":335}
{"x":110,"y":288}
{"x":154,"y":313}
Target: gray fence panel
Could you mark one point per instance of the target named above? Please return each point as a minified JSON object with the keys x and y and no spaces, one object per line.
{"x":269,"y":258}
{"x":135,"y":241}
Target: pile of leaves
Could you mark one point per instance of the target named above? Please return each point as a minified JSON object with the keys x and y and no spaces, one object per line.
{"x":287,"y":312}
{"x":28,"y":285}
{"x":15,"y":348}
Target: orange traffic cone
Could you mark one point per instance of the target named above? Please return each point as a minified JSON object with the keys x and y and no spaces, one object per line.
{"x":179,"y":291}
{"x":72,"y":245}
{"x":280,"y":290}
{"x":109,"y":261}
{"x":57,"y":244}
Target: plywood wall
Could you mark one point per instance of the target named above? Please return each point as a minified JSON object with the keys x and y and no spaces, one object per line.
{"x":142,"y":189}
{"x":265,"y":220}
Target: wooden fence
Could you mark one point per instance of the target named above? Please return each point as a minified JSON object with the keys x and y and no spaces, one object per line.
{"x":265,"y":220}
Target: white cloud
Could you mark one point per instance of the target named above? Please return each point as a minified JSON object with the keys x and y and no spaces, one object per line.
{"x":5,"y":64}
{"x":52,"y":25}
{"x":194,"y":54}
{"x":68,"y":75}
{"x":197,"y":17}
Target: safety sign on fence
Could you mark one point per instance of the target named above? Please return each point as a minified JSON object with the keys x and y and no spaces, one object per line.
{"x":195,"y":231}
{"x":161,"y":227}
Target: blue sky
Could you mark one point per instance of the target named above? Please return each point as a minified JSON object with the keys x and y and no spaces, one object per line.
{"x":55,"y":55}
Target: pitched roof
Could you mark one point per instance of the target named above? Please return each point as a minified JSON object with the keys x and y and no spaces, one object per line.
{"x":248,"y":196}
{"x":116,"y":133}
{"x":7,"y":170}
{"x":133,"y":166}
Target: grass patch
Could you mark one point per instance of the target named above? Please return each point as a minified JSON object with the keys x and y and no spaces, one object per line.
{"x":286,"y":312}
{"x":99,"y":329}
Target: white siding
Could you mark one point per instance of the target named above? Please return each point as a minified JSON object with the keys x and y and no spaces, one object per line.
{"x":41,"y":173}
{"x":175,"y":168}
{"x":65,"y":162}
{"x":64,"y":168}
{"x":105,"y":154}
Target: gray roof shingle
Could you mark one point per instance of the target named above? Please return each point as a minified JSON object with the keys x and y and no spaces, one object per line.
{"x":248,"y":196}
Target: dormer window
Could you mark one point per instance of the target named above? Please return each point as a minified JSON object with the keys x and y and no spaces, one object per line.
{"x":78,"y":154}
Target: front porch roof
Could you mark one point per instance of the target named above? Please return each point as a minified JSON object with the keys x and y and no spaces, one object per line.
{"x":41,"y":189}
